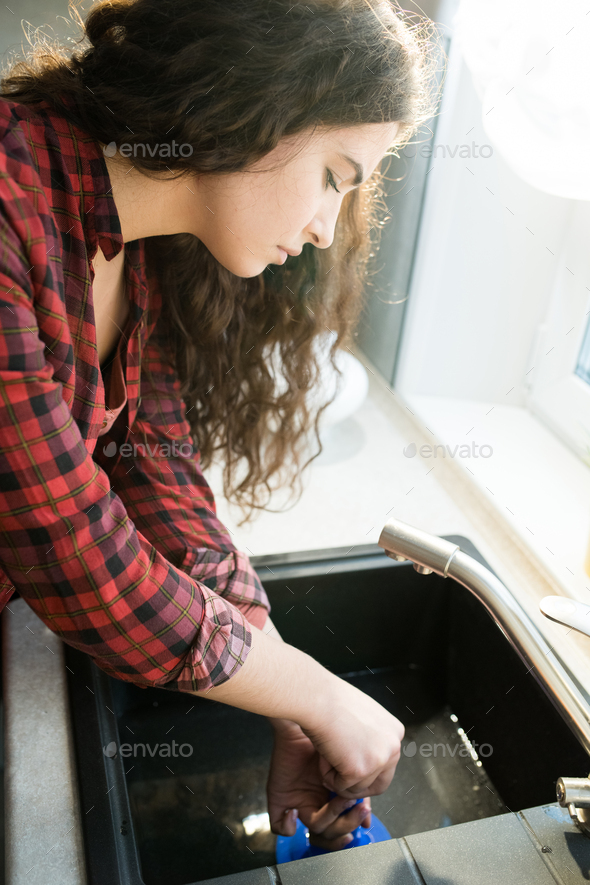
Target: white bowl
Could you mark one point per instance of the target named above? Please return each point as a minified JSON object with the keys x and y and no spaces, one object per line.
{"x":349,"y":390}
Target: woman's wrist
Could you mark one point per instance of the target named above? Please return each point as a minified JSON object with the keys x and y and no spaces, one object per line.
{"x":283,"y":726}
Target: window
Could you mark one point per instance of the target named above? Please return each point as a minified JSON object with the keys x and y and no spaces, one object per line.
{"x":560,"y":387}
{"x":404,"y":185}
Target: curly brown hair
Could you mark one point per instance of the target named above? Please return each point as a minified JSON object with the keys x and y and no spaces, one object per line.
{"x":232,"y":79}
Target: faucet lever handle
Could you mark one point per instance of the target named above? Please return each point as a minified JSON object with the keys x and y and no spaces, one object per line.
{"x":573,"y":793}
{"x":567,"y":611}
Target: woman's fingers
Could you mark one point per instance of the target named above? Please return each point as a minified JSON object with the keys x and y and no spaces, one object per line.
{"x":366,"y":821}
{"x":331,"y":823}
{"x":319,"y":820}
{"x":286,"y":823}
{"x":372,"y":785}
{"x":330,"y":845}
{"x":337,"y":834}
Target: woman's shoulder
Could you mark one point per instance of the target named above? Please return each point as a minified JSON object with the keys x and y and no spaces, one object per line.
{"x":32,"y":148}
{"x":41,"y":136}
{"x":14,"y":143}
{"x":31,"y":123}
{"x":23,"y":147}
{"x":38,"y":112}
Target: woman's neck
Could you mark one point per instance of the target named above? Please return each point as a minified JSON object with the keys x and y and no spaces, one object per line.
{"x":148,"y":207}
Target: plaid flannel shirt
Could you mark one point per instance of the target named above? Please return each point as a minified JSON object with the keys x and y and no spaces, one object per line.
{"x":119,"y":553}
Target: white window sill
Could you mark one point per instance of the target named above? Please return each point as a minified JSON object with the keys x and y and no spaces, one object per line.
{"x":536,"y":484}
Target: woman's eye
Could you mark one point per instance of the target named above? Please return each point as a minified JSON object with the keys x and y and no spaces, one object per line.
{"x":331,"y":182}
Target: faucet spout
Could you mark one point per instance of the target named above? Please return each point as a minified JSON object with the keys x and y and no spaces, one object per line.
{"x":430,"y":553}
{"x":433,"y":554}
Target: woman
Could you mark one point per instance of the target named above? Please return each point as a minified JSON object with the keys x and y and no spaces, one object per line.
{"x":149,"y":184}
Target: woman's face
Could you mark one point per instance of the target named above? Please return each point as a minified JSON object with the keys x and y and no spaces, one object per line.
{"x":285,"y":200}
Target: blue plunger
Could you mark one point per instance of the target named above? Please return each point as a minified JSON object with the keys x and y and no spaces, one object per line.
{"x":298,"y":846}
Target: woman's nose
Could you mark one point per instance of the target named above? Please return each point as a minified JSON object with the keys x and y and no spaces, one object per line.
{"x":322,"y":233}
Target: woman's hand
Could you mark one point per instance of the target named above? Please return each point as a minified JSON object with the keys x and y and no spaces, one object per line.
{"x":358,"y":740}
{"x":295,"y":786}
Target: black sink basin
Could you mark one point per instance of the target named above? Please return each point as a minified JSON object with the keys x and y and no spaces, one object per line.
{"x":167,"y":779}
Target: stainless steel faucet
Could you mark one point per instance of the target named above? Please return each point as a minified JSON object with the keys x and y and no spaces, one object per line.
{"x":429,"y":554}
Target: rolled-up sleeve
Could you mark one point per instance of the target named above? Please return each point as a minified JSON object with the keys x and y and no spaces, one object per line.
{"x":67,"y":541}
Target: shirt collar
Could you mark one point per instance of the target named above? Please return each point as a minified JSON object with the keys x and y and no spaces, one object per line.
{"x":102,"y":225}
{"x":101,"y":221}
{"x":99,"y":215}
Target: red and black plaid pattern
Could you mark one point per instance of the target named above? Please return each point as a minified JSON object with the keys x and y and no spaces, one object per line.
{"x":113,"y":541}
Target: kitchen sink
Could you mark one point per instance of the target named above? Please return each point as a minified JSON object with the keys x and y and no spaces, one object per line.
{"x":172,"y":787}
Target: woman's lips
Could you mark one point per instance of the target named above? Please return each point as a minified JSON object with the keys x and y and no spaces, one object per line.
{"x":287,"y":252}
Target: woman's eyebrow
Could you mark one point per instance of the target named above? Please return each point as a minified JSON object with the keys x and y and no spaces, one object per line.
{"x":357,"y":168}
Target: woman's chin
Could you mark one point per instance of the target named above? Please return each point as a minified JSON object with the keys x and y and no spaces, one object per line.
{"x":245,"y":266}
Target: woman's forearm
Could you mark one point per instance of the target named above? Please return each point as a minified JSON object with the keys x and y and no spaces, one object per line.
{"x":275,"y":682}
{"x":284,"y":725}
